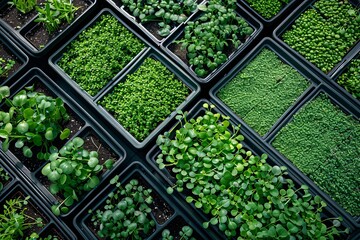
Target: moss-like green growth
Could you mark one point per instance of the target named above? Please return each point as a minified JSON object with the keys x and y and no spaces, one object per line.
{"x":325,"y":33}
{"x":324,"y":143}
{"x":350,"y":79}
{"x":145,"y":98}
{"x":266,"y":8}
{"x":99,"y":53}
{"x":263,"y":91}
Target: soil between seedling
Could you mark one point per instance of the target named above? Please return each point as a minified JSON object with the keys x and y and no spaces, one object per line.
{"x":160,"y":210}
{"x":15,"y":18}
{"x":7,"y":55}
{"x":53,"y":232}
{"x":31,"y":210}
{"x":39,"y":36}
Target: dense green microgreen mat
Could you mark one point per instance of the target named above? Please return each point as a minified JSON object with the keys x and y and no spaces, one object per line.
{"x":145,"y":98}
{"x":267,"y":8}
{"x":324,"y":34}
{"x":324,"y":143}
{"x":350,"y":79}
{"x":263,"y":91}
{"x":99,"y":53}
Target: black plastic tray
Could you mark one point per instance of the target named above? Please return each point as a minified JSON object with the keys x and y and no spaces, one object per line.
{"x":240,"y":11}
{"x":54,"y":59}
{"x":285,"y":57}
{"x":19,"y":34}
{"x":351,"y":221}
{"x":11,"y":174}
{"x":153,"y":38}
{"x":34,"y":200}
{"x":31,"y":176}
{"x":21,"y":57}
{"x":136,"y":170}
{"x":288,"y":23}
{"x":250,"y":144}
{"x":193,"y":87}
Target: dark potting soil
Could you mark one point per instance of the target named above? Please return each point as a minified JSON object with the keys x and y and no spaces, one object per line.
{"x":31,"y":210}
{"x":15,"y":18}
{"x":52,"y":231}
{"x":6,"y":54}
{"x":175,"y":227}
{"x":39,"y":36}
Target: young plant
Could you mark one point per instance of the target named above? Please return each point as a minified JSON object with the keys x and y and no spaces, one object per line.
{"x":24,"y":6}
{"x":14,"y":221}
{"x":185,"y":234}
{"x":5,"y":66}
{"x":99,"y":53}
{"x":56,"y":12}
{"x":266,"y":8}
{"x":323,"y":142}
{"x":243,"y":194}
{"x":325,"y":32}
{"x":262,"y":91}
{"x":145,"y":98}
{"x":350,"y":79}
{"x":206,"y":39}
{"x":168,"y":13}
{"x":32,"y":119}
{"x":4,"y":177}
{"x":126,"y":214}
{"x":73,"y":171}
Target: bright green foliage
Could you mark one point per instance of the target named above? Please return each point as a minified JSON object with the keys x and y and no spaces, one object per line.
{"x":324,"y":143}
{"x":24,"y":6}
{"x":323,"y":37}
{"x":73,"y":171}
{"x":4,"y":177}
{"x":145,"y":98}
{"x":184,"y":234}
{"x":5,"y":66}
{"x":99,"y":53}
{"x":263,"y":91}
{"x":32,"y":119}
{"x":56,"y":12}
{"x":14,"y":221}
{"x":126,"y":214}
{"x":207,"y":39}
{"x":35,"y":236}
{"x":244,"y":195}
{"x":350,"y":79}
{"x":168,"y":13}
{"x":266,"y":8}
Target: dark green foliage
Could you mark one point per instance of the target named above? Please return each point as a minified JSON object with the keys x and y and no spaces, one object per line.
{"x":4,"y":178}
{"x":24,"y":6}
{"x":56,"y":12}
{"x":145,"y":98}
{"x":266,"y":8}
{"x":32,"y":119}
{"x":324,"y":35}
{"x":263,"y":91}
{"x":243,"y":194}
{"x":168,"y":13}
{"x":99,"y":53}
{"x":73,"y":171}
{"x":350,"y":79}
{"x":323,"y":142}
{"x":5,"y":66}
{"x":211,"y":35}
{"x":14,"y":220}
{"x":126,"y":214}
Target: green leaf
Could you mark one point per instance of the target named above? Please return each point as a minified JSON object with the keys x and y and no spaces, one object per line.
{"x":56,"y":210}
{"x":65,"y":134}
{"x":93,"y":162}
{"x":93,"y":181}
